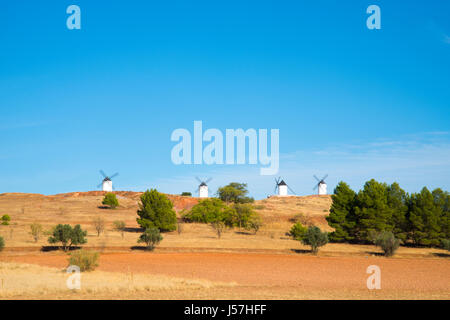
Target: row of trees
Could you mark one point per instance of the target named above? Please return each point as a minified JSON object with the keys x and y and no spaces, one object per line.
{"x":418,"y":218}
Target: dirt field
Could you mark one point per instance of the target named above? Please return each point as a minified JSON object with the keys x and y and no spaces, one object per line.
{"x":195,"y":264}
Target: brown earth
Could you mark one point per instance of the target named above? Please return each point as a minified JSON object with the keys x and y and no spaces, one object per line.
{"x":241,"y":265}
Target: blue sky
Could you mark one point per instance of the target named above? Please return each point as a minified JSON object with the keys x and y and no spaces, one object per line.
{"x":351,"y":102}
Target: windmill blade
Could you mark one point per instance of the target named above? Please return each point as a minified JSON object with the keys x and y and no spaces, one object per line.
{"x":291,"y":190}
{"x":208,"y":180}
{"x":318,"y":180}
{"x":198,"y":179}
{"x":103,"y":174}
{"x":114,"y":175}
{"x":99,"y":185}
{"x":315,"y":187}
{"x":275,"y":190}
{"x":324,"y":177}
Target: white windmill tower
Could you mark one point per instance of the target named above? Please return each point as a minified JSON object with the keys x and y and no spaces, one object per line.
{"x":282,"y":187}
{"x":321,"y":185}
{"x":203,"y":188}
{"x":107,"y":182}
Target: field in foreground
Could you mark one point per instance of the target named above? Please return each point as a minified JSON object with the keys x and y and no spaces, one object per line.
{"x":224,"y":276}
{"x":194,"y":264}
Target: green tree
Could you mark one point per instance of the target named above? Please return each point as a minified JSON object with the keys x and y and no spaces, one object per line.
{"x":397,"y":201}
{"x":6,"y":219}
{"x":372,"y":210}
{"x":110,"y":200}
{"x":156,"y":210}
{"x":211,"y":210}
{"x":298,"y":231}
{"x":446,"y":244}
{"x":2,"y":243}
{"x":186,"y":194}
{"x":341,"y":216}
{"x":243,"y":214}
{"x":254,"y":223}
{"x":68,"y":236}
{"x":424,"y":218}
{"x":234,"y":192}
{"x":442,"y":202}
{"x":151,"y":237}
{"x":315,"y":238}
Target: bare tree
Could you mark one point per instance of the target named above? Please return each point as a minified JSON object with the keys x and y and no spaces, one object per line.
{"x":119,"y":226}
{"x":36,"y":231}
{"x":219,"y":227}
{"x":99,"y":225}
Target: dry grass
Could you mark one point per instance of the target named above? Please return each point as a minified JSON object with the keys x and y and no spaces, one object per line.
{"x":37,"y":282}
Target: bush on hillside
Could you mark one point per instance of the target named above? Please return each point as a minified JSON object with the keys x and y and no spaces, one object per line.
{"x":156,"y":210}
{"x":68,"y":236}
{"x":298,"y":231}
{"x":6,"y":219}
{"x":110,"y":200}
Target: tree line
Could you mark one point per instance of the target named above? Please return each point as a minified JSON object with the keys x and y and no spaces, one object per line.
{"x":420,"y":219}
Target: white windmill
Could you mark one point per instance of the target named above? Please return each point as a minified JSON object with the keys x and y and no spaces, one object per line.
{"x":107,"y":182}
{"x":321,"y":185}
{"x":203,"y":188}
{"x":282,"y":187}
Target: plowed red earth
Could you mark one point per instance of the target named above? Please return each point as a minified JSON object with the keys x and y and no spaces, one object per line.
{"x":265,"y":270}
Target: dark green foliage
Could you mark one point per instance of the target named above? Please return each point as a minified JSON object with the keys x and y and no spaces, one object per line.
{"x":446,"y":244}
{"x":68,"y":236}
{"x":110,"y":200}
{"x":315,"y":238}
{"x":186,"y":194}
{"x":151,"y":237}
{"x":387,"y":242}
{"x":84,"y":259}
{"x":424,"y":219}
{"x":6,"y":219}
{"x":156,"y":210}
{"x":2,"y":243}
{"x":341,"y":216}
{"x":372,"y":211}
{"x":298,"y":231}
{"x":211,"y":210}
{"x":234,"y":192}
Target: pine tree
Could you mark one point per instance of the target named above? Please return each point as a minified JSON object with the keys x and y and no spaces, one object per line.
{"x":424,"y":219}
{"x":341,"y":216}
{"x":372,"y":210}
{"x":156,"y":210}
{"x":397,"y":200}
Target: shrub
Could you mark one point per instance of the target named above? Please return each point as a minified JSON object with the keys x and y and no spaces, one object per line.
{"x":99,"y":225}
{"x":156,"y":210}
{"x":186,"y":194}
{"x":84,"y":259}
{"x":211,"y":210}
{"x":150,"y":237}
{"x":110,"y":200}
{"x":254,"y":223}
{"x":315,"y":238}
{"x":119,"y":226}
{"x":36,"y":231}
{"x":6,"y":219}
{"x":298,"y":231}
{"x":387,"y":242}
{"x":68,"y":236}
{"x":2,"y":243}
{"x":242,"y":214}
